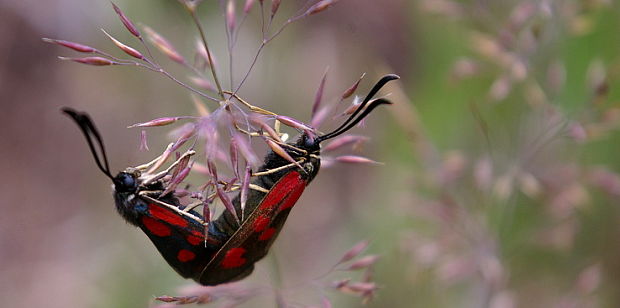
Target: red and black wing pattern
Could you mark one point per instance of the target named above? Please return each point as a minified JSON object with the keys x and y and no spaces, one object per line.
{"x":250,"y":243}
{"x":179,"y":239}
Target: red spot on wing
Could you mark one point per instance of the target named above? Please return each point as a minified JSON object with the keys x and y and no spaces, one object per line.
{"x":196,"y":237}
{"x":261,"y":223}
{"x":233,"y":258}
{"x":292,"y":198}
{"x":186,"y":255}
{"x":289,"y":183}
{"x":161,"y":213}
{"x":267,"y":234}
{"x":194,"y":240}
{"x":155,"y":227}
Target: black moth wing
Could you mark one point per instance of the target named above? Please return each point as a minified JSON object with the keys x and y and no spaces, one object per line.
{"x":251,"y":242}
{"x":179,"y":238}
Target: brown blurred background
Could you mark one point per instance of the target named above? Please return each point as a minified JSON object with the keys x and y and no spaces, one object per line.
{"x":500,"y":185}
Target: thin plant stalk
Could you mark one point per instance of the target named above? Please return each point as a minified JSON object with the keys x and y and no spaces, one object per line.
{"x":192,"y":13}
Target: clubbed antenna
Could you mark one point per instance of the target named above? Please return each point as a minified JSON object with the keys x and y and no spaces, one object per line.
{"x":89,"y":130}
{"x":352,"y":120}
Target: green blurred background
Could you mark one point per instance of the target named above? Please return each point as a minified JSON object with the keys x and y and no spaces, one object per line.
{"x":500,"y":181}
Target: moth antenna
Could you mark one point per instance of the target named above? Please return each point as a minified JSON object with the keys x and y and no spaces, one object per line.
{"x":89,"y":130}
{"x":374,"y":104}
{"x":346,"y":125}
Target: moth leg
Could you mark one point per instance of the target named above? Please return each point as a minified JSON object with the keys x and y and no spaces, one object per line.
{"x":286,"y":145}
{"x":192,"y":206}
{"x":163,"y":157}
{"x":251,"y":186}
{"x":250,"y":106}
{"x":258,"y":188}
{"x":274,"y":170}
{"x":144,"y":194}
{"x":155,"y":177}
{"x":282,"y":136}
{"x":150,"y":192}
{"x":243,"y":131}
{"x":276,"y":127}
{"x":259,"y":110}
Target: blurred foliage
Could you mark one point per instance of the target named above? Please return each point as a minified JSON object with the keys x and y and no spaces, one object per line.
{"x":515,"y":207}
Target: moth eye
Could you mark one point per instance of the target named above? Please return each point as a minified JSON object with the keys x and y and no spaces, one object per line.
{"x":125,"y":182}
{"x":129,"y":181}
{"x":309,"y":142}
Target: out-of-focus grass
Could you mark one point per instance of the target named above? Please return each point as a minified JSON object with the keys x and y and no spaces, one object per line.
{"x":549,"y":234}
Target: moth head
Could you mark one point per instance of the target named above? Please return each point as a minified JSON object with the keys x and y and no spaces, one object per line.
{"x":126,"y":182}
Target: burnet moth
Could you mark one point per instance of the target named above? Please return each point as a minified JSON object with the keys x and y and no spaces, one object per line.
{"x":233,"y":243}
